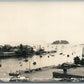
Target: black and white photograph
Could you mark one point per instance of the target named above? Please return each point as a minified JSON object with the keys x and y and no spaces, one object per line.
{"x":41,"y":41}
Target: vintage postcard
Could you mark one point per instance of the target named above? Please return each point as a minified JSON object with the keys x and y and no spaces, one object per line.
{"x":41,"y":41}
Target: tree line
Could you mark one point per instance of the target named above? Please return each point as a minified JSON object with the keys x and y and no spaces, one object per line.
{"x":77,"y":61}
{"x":60,"y":42}
{"x":21,"y":50}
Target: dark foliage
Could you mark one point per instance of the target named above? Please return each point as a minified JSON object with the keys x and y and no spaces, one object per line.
{"x":25,"y":51}
{"x":77,"y":60}
{"x":82,"y":62}
{"x":6,"y":48}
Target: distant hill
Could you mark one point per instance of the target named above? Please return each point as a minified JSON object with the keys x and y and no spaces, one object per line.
{"x":60,"y":42}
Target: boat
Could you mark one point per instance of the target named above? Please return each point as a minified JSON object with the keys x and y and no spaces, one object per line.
{"x":14,"y":74}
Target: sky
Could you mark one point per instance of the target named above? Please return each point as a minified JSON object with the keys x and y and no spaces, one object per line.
{"x":30,"y":22}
